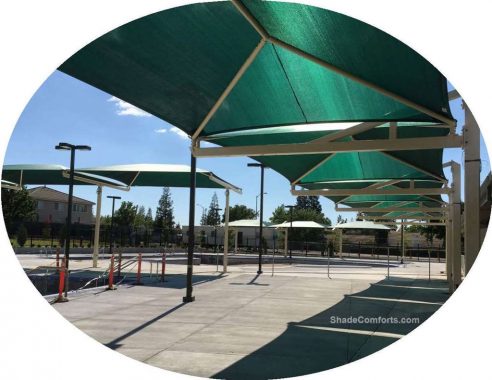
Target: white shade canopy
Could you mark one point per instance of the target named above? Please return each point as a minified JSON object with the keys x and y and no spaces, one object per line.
{"x":248,"y":223}
{"x":300,"y":224}
{"x":362,"y":224}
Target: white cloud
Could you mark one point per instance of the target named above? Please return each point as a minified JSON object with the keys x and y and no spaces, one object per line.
{"x":179,"y":132}
{"x":160,"y":130}
{"x":126,"y":109}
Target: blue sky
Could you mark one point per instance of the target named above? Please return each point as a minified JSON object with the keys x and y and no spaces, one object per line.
{"x":65,"y":109}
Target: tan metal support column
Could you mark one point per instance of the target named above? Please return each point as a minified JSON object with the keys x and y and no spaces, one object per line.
{"x":456,"y":224}
{"x":236,"y":233}
{"x":341,"y":242}
{"x":471,"y":134}
{"x":226,"y":232}
{"x":286,"y":242}
{"x":449,"y":254}
{"x":97,"y":227}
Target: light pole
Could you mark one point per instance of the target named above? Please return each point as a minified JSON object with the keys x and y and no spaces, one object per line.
{"x":215,"y":209}
{"x":256,"y":204}
{"x":203,"y":211}
{"x":113,"y":197}
{"x":262,"y":168}
{"x":290,"y":207}
{"x":72,"y":148}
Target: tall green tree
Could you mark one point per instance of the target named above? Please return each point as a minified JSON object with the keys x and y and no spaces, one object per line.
{"x":281,"y":215}
{"x":238,"y":212}
{"x":17,"y":207}
{"x":164,"y":216}
{"x":203,"y":219}
{"x":213,"y":214}
{"x":309,"y":202}
{"x":124,"y":218}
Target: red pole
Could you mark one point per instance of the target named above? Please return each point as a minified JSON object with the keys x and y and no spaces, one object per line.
{"x":111,"y":273}
{"x":61,"y":285}
{"x":163,"y":266}
{"x":139,"y":269}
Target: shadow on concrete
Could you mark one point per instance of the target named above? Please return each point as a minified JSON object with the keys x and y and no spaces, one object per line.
{"x":175,"y":281}
{"x":357,"y":326}
{"x":114,"y":344}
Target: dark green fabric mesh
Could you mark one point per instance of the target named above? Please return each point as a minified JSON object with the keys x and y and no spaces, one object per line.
{"x":173,"y":64}
{"x":368,"y":52}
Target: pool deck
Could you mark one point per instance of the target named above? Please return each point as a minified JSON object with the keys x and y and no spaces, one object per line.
{"x":245,"y":326}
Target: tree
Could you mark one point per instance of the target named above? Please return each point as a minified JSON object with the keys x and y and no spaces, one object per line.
{"x":281,"y":214}
{"x":309,"y":202}
{"x":430,"y":232}
{"x":17,"y":207}
{"x":125,"y":217}
{"x":21,"y":235}
{"x":203,"y":219}
{"x":164,"y":216}
{"x":340,"y":220}
{"x":140,"y":218}
{"x":238,"y":212}
{"x":213,"y":216}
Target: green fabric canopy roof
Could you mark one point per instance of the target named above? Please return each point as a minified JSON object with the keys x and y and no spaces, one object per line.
{"x":175,"y":64}
{"x":158,"y":175}
{"x":316,"y":66}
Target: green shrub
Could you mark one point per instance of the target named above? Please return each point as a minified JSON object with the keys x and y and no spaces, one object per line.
{"x":21,"y":235}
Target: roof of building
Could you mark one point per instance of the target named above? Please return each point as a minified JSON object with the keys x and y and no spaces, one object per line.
{"x":48,"y":194}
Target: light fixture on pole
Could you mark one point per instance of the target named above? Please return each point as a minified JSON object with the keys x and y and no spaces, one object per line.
{"x":113,"y":197}
{"x":262,"y":167}
{"x":72,"y":148}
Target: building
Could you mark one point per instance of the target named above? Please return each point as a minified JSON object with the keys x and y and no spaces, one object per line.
{"x":51,"y":206}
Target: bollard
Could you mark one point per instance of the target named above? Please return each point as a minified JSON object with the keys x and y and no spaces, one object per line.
{"x":119,"y":265}
{"x":61,"y":285}
{"x":139,"y":270}
{"x":111,"y":274}
{"x":163,"y":270}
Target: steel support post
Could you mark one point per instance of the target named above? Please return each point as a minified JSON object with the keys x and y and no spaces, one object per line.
{"x":456,"y":225}
{"x":226,"y":232}
{"x":236,"y":234}
{"x":341,"y":242}
{"x":449,"y":254}
{"x":191,"y":234}
{"x":262,"y":168}
{"x":286,"y":242}
{"x":471,"y":134}
{"x":97,"y":227}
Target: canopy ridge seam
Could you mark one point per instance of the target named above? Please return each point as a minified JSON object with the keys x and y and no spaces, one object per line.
{"x":275,"y":41}
{"x":290,"y":83}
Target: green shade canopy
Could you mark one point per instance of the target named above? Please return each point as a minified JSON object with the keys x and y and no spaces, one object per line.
{"x":256,"y":72}
{"x":175,"y":64}
{"x":40,"y":174}
{"x":158,"y":175}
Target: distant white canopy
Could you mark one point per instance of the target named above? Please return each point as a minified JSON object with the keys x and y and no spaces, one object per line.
{"x":362,"y":224}
{"x":300,"y":224}
{"x":248,"y":223}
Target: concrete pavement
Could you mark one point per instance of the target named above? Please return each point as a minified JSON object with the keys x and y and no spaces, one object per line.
{"x":244,"y":326}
